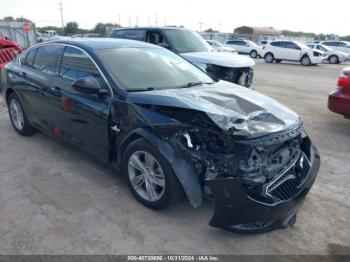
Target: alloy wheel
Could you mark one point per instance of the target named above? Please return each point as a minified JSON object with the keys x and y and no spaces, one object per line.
{"x":146,"y":176}
{"x":16,"y":114}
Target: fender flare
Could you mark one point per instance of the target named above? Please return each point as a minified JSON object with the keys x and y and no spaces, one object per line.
{"x":184,"y":171}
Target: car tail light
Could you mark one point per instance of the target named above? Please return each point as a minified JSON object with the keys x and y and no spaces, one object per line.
{"x":344,"y":79}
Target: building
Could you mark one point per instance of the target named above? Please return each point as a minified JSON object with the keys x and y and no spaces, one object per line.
{"x":256,"y":34}
{"x":13,"y":31}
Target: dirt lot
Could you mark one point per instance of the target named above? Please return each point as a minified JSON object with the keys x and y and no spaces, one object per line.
{"x":54,"y":199}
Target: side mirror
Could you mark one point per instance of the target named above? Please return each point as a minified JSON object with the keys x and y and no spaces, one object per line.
{"x":87,"y":85}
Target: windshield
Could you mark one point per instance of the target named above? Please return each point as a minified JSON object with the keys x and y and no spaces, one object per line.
{"x":324,"y":48}
{"x":215,"y":43}
{"x":186,"y":41}
{"x":142,"y":69}
{"x":301,"y":45}
{"x":252,"y":43}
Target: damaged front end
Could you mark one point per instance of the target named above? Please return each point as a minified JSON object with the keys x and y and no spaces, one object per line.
{"x":242,"y":76}
{"x":245,"y":151}
{"x":257,"y":185}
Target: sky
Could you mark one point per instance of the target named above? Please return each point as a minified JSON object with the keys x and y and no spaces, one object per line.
{"x":224,"y":15}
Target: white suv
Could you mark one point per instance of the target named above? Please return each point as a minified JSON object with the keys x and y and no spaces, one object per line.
{"x":293,"y":51}
{"x":342,"y":46}
{"x":243,"y":46}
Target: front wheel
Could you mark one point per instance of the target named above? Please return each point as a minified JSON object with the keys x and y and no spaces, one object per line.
{"x":305,"y":60}
{"x":333,"y":59}
{"x":150,"y":176}
{"x":253,"y":54}
{"x":18,"y":117}
{"x":269,"y":57}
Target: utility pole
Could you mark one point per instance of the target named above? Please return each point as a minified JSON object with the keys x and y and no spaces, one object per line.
{"x":61,"y":10}
{"x":157,"y":19}
{"x":129,"y":21}
{"x":119,"y":20}
{"x":200,"y":26}
{"x":136,"y":21}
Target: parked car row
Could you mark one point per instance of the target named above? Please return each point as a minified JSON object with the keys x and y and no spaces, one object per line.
{"x":280,"y":50}
{"x":190,"y":45}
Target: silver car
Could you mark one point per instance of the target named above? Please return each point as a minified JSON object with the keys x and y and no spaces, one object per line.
{"x":333,"y":56}
{"x":220,"y":47}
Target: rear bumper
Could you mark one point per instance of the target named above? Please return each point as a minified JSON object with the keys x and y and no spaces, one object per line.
{"x":237,"y":211}
{"x":339,"y":103}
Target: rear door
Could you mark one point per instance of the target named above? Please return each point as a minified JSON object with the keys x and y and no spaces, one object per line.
{"x":81,"y":119}
{"x":38,"y":73}
{"x":278,"y":49}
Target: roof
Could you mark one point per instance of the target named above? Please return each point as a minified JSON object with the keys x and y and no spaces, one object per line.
{"x":151,"y":27}
{"x":258,"y":30}
{"x":102,"y":43}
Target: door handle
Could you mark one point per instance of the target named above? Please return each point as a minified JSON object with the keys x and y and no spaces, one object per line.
{"x":56,"y":88}
{"x":23,"y":74}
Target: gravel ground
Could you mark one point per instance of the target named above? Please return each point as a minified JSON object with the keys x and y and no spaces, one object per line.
{"x":57,"y":200}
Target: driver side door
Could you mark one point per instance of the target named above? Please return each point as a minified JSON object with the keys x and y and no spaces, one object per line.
{"x":81,"y":119}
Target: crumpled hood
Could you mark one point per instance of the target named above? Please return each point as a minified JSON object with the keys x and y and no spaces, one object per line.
{"x":219,"y":58}
{"x":234,"y":109}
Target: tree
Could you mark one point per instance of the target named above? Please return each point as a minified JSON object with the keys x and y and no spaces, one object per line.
{"x":22,"y":19}
{"x":99,"y":28}
{"x":211,"y":30}
{"x":71,"y":28}
{"x":9,"y":18}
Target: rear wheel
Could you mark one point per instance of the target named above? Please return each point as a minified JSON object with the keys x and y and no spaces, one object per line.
{"x":269,"y":57}
{"x":150,"y":176}
{"x":333,"y":59}
{"x":18,"y":117}
{"x":305,"y":60}
{"x":253,"y":54}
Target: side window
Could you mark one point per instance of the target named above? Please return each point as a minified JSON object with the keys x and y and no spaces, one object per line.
{"x":137,"y":35}
{"x":154,"y":38}
{"x":119,"y":34}
{"x":341,"y":44}
{"x":329,"y":43}
{"x":291,"y":45}
{"x":277,"y":44}
{"x":243,"y":43}
{"x":231,"y":42}
{"x":76,"y":64}
{"x":46,"y":59}
{"x":29,"y":58}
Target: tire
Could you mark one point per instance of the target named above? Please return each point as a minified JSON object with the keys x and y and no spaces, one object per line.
{"x":269,"y":57}
{"x":333,"y":59}
{"x":18,"y":117}
{"x":278,"y":61}
{"x":167,"y":189}
{"x":305,"y":60}
{"x":253,"y":54}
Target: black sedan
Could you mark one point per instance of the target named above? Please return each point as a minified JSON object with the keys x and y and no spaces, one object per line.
{"x":168,"y":127}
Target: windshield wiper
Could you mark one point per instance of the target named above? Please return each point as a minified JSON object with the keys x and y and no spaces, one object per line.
{"x":191,"y":84}
{"x":141,"y":89}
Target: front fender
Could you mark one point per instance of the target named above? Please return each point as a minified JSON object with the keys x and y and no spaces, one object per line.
{"x":184,"y":171}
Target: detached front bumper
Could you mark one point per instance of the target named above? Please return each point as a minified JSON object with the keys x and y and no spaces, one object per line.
{"x":236,"y":210}
{"x":318,"y":59}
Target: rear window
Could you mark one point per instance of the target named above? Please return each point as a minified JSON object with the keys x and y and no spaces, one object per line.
{"x":29,"y":58}
{"x":277,"y":44}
